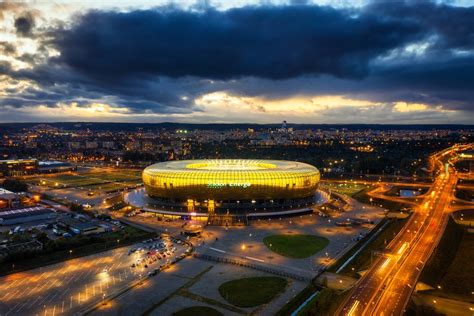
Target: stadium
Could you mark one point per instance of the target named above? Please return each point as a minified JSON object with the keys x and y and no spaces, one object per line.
{"x":230,"y":186}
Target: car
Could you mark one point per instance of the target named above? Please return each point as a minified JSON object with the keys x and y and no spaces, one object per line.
{"x":152,"y":273}
{"x":133,"y":265}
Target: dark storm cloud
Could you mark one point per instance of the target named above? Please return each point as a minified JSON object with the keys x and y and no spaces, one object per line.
{"x":447,"y":81}
{"x":268,"y":42}
{"x":148,"y":60}
{"x":24,"y":24}
{"x":453,"y":26}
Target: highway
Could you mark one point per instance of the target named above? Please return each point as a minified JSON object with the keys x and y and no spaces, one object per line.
{"x":387,"y":286}
{"x":401,"y":283}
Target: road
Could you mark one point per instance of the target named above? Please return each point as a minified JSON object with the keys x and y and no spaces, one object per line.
{"x":387,"y":286}
{"x":398,"y":291}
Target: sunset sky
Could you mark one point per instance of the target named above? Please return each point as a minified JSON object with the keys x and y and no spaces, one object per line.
{"x":237,"y":61}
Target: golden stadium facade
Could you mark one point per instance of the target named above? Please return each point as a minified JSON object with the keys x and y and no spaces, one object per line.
{"x":223,"y":185}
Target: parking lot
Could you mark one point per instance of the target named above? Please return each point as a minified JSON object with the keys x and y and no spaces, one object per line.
{"x":75,"y":284}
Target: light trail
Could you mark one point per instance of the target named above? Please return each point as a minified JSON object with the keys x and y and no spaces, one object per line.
{"x":386,"y":262}
{"x":402,"y":248}
{"x":353,"y":308}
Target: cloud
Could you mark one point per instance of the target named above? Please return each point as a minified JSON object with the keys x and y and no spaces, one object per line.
{"x":24,"y":24}
{"x":395,"y":63}
{"x":407,"y":107}
{"x":453,"y":26}
{"x":275,"y":42}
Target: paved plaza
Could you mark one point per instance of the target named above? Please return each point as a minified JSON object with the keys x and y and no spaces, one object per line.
{"x":189,"y":283}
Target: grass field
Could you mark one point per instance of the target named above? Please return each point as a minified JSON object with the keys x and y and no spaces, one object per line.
{"x":363,"y":259}
{"x":451,"y":264}
{"x":251,"y":292}
{"x":109,"y":187}
{"x":325,"y":303}
{"x":297,"y":300}
{"x":119,"y":178}
{"x":198,"y":311}
{"x":295,"y":246}
{"x":459,"y":279}
{"x":363,"y":197}
{"x":346,"y":188}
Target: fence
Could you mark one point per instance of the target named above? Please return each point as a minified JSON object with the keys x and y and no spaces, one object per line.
{"x":253,"y":266}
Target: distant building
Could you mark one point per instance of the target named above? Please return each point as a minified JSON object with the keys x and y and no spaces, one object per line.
{"x":25,"y":215}
{"x":53,"y":166}
{"x":8,"y":198}
{"x":74,"y":145}
{"x":108,"y":145}
{"x":81,"y":228}
{"x":18,"y":167}
{"x":92,"y":145}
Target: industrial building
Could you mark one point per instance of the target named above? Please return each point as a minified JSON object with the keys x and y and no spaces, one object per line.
{"x":24,"y":215}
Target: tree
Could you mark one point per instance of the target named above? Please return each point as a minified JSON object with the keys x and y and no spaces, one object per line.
{"x":15,"y":185}
{"x":77,"y":208}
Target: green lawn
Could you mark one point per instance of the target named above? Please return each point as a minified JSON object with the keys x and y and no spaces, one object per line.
{"x":451,"y":264}
{"x":363,"y":197}
{"x":325,"y":303}
{"x":198,"y":311}
{"x":295,"y":246}
{"x":89,"y":179}
{"x":346,"y":188}
{"x":251,"y":292}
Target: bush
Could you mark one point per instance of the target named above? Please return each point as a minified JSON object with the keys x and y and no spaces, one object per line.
{"x":15,"y":185}
{"x":77,"y":208}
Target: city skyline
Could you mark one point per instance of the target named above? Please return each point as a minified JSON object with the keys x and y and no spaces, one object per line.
{"x":237,"y":61}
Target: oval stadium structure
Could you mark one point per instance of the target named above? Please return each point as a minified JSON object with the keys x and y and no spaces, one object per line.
{"x":231,"y":185}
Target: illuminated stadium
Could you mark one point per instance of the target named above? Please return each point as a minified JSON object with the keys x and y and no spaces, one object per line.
{"x":231,"y":186}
